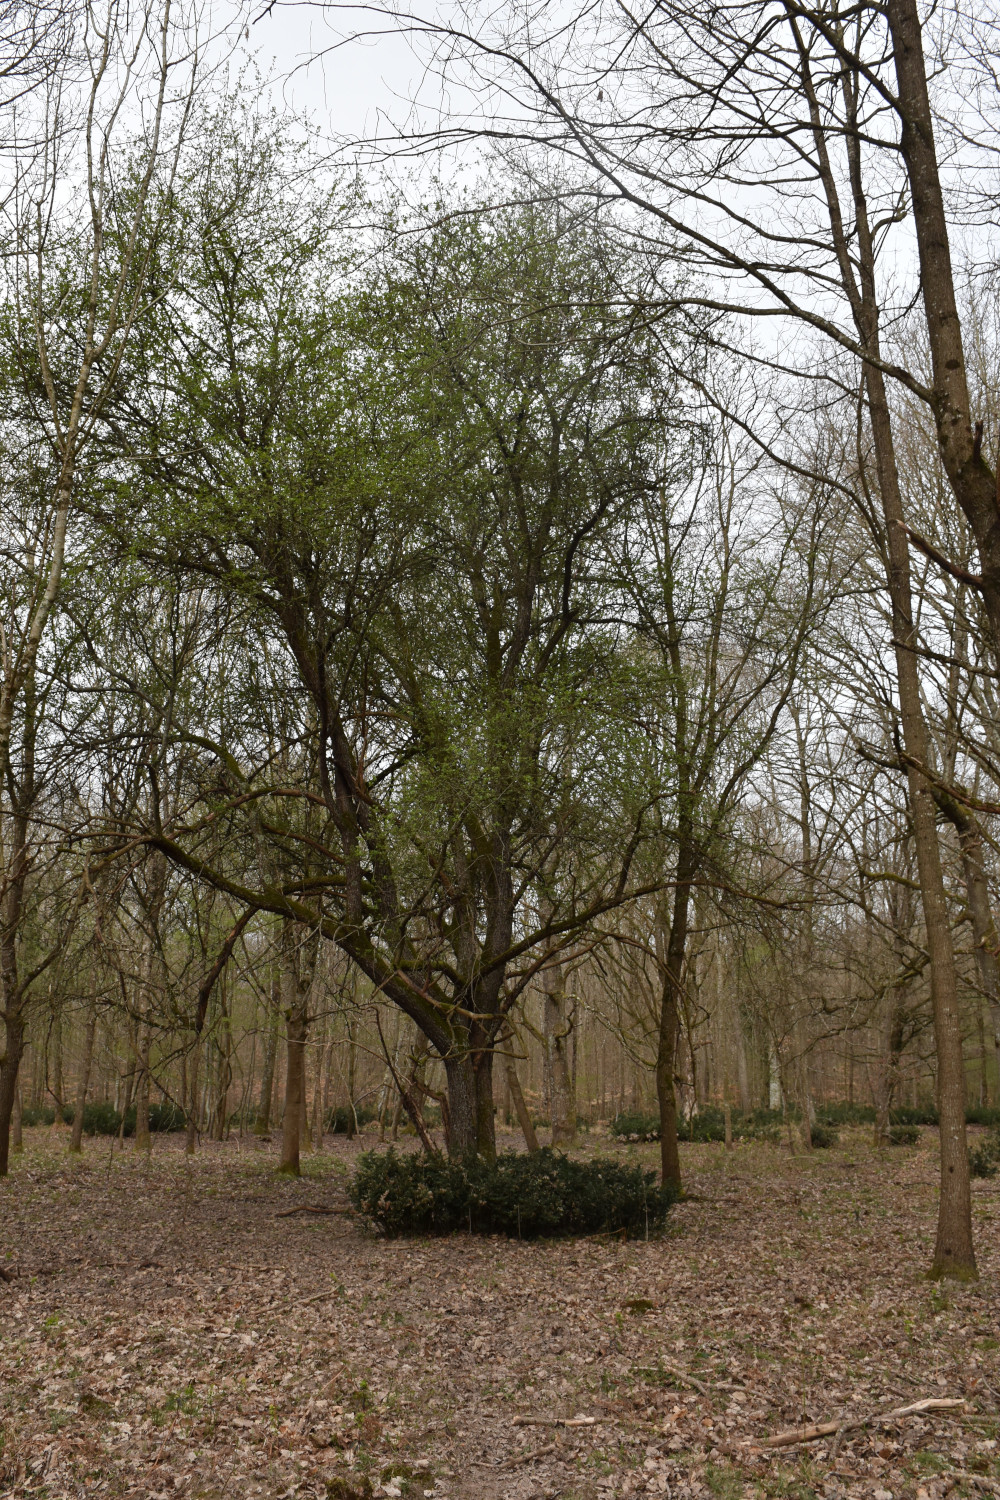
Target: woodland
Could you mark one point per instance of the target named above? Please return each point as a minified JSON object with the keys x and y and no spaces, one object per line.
{"x":500,"y":755}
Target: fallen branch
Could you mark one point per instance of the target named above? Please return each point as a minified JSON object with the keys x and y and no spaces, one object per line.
{"x":682,"y":1375}
{"x":312,"y":1208}
{"x":963,"y":1476}
{"x":527,"y":1458}
{"x":557,"y":1421}
{"x":827,"y":1429}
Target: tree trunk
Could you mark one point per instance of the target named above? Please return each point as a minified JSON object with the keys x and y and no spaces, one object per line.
{"x":76,"y":1139}
{"x":143,"y":1138}
{"x":562,"y":1107}
{"x":666,"y":1094}
{"x":295,"y":1035}
{"x":463,"y":1127}
{"x":10,"y":1062}
{"x":262,"y":1124}
{"x":973,"y":486}
{"x":191,"y":1136}
{"x":523,"y":1117}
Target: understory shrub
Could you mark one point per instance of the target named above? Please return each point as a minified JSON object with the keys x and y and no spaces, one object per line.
{"x":984,"y":1159}
{"x":632,"y":1125}
{"x":524,"y":1196}
{"x":904,"y":1135}
{"x":38,"y":1114}
{"x":846,"y":1114}
{"x":338,"y":1121}
{"x":823,"y":1137}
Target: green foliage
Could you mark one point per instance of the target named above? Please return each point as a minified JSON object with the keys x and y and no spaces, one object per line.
{"x":101,"y":1119}
{"x":530,"y":1197}
{"x":166,"y":1117}
{"x":631,"y":1125}
{"x":37,"y":1114}
{"x":904,"y":1135}
{"x":982,"y":1114}
{"x":914,"y":1114}
{"x":846,"y":1114}
{"x":823,"y":1137}
{"x":984,"y":1159}
{"x":339,"y":1121}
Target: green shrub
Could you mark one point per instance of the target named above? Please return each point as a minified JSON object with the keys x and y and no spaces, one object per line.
{"x":527,"y":1196}
{"x":38,"y":1114}
{"x":914,"y":1114}
{"x":823,"y":1137}
{"x":982,"y":1114}
{"x":632,"y":1125}
{"x":166,"y":1117}
{"x":101,"y":1119}
{"x":904,"y":1135}
{"x":338,"y":1121}
{"x":984,"y":1159}
{"x":846,"y":1114}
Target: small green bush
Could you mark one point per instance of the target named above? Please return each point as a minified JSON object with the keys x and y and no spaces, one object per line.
{"x":101,"y":1119}
{"x":846,"y":1114}
{"x":166,"y":1117}
{"x":914,"y":1114}
{"x":544,"y":1194}
{"x":631,"y":1125}
{"x":984,"y":1159}
{"x":904,"y":1135}
{"x":38,"y":1114}
{"x":823,"y":1137}
{"x":983,"y":1114}
{"x":339,"y":1121}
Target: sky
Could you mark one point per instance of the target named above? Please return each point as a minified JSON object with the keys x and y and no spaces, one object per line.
{"x":346,"y":87}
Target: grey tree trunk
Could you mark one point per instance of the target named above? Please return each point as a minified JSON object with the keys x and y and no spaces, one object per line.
{"x":557,"y":1027}
{"x":83,"y":1085}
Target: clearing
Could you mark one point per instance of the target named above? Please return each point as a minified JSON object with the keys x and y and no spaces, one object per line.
{"x":173,"y":1327}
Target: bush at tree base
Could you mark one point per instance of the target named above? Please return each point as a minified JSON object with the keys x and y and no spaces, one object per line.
{"x":543,"y":1194}
{"x":904,"y":1135}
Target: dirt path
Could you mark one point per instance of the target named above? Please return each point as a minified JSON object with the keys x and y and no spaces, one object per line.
{"x":168,"y":1329}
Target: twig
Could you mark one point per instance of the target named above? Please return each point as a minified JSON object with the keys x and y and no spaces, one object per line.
{"x":962,"y":1476}
{"x":312,"y":1208}
{"x":682,"y":1375}
{"x":284,"y":1307}
{"x":527,"y":1458}
{"x":557,"y":1421}
{"x":827,"y":1429}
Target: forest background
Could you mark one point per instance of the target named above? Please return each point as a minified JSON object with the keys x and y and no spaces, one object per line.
{"x":458,"y":655}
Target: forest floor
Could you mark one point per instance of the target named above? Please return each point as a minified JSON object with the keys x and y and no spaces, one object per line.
{"x":173,"y":1328}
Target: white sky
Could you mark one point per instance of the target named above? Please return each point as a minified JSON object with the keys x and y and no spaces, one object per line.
{"x":344,"y":89}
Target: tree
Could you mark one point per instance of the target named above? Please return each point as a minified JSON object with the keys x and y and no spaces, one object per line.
{"x":782,"y":146}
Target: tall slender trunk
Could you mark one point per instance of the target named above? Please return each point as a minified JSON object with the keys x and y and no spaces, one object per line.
{"x":954,"y":1254}
{"x":556,"y":1028}
{"x":672,"y":968}
{"x":191,"y":1135}
{"x":143,"y":1138}
{"x":521,"y":1109}
{"x":10,"y":1062}
{"x":262,"y":1124}
{"x":83,"y":1084}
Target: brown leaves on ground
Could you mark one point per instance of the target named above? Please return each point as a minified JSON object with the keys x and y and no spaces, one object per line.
{"x":169,"y":1330}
